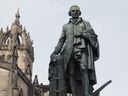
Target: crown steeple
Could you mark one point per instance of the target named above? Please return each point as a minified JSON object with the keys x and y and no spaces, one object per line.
{"x":17,"y":36}
{"x":18,"y":13}
{"x":17,"y":16}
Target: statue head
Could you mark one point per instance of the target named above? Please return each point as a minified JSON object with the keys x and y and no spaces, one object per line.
{"x":74,"y":11}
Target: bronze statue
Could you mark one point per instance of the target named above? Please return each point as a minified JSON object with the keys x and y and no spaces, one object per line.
{"x":79,"y":49}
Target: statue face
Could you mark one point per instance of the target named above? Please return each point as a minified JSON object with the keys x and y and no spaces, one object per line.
{"x":75,"y":12}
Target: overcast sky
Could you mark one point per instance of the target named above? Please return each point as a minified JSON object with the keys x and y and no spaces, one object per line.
{"x":44,"y":19}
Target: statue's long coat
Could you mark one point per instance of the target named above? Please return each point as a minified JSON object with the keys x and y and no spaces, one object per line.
{"x":66,"y":41}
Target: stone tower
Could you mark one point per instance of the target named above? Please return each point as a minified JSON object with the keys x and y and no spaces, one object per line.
{"x":17,"y":37}
{"x":16,"y":62}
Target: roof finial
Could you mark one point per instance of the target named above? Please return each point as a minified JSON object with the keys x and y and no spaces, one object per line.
{"x":24,"y":29}
{"x":17,"y":14}
{"x":28,"y":70}
{"x":1,"y":30}
{"x":7,"y":29}
{"x":35,"y":80}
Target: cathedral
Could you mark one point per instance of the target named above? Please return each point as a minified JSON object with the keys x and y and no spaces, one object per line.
{"x":16,"y":63}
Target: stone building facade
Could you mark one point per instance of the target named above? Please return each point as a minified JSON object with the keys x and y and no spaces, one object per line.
{"x":16,"y":63}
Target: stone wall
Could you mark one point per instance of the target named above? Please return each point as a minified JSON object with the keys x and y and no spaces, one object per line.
{"x":22,"y":86}
{"x":4,"y":81}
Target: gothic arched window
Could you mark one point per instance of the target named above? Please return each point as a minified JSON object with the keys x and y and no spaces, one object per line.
{"x":21,"y":92}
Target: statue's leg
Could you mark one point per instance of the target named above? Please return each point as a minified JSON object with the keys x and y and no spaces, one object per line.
{"x":71,"y":72}
{"x":84,"y":71}
{"x":85,"y":82}
{"x":73,"y":85}
{"x":79,"y":88}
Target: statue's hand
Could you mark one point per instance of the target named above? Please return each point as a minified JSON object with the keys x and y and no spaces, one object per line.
{"x":78,"y":34}
{"x":84,"y":34}
{"x":55,"y":57}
